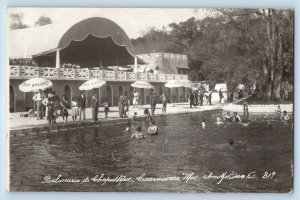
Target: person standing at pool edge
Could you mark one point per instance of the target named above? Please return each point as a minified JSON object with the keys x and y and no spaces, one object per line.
{"x":39,"y":97}
{"x":122,"y":102}
{"x":81,"y":106}
{"x":221,"y":95}
{"x":95,"y":106}
{"x":163,"y":98}
{"x":64,"y":108}
{"x":153,"y":102}
{"x":191,"y":98}
{"x":74,"y":105}
{"x":136,"y":99}
{"x":246,"y":111}
{"x":209,"y":97}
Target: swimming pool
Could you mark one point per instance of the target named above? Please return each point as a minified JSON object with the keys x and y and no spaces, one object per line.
{"x":182,"y":147}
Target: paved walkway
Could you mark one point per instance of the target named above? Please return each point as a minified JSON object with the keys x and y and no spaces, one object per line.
{"x":16,"y":122}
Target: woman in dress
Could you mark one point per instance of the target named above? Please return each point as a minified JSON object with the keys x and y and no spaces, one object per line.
{"x":136,"y":99}
{"x":74,"y":109}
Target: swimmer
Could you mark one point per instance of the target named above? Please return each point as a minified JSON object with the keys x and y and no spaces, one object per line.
{"x":138,"y":134}
{"x":128,"y":127}
{"x":245,"y":123}
{"x":236,"y":117}
{"x":152,"y":130}
{"x":134,"y":116}
{"x":228,"y":117}
{"x":230,"y":142}
{"x":219,"y":121}
{"x":147,"y":114}
{"x":203,"y":124}
{"x":285,"y":117}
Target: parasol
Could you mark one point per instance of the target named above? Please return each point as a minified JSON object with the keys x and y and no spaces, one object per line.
{"x":92,"y":84}
{"x":35,"y":84}
{"x":178,"y":83}
{"x":142,"y":84}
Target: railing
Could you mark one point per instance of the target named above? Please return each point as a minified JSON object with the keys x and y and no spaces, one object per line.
{"x":25,"y":72}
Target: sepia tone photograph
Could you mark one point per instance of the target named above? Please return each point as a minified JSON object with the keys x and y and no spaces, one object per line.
{"x":150,"y":100}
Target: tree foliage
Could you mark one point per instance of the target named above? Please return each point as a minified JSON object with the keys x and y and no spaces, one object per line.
{"x":43,"y":20}
{"x":249,"y":46}
{"x":16,"y":21}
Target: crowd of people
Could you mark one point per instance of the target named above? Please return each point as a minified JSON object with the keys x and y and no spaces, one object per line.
{"x":200,"y":97}
{"x":51,"y":106}
{"x":134,"y":126}
{"x":124,"y":102}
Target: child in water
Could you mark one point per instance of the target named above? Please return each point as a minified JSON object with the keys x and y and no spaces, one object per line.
{"x":228,"y":117}
{"x":230,"y":142}
{"x":219,"y":121}
{"x":278,"y":111}
{"x":128,"y":126}
{"x":285,"y":117}
{"x":203,"y":124}
{"x":138,"y":134}
{"x":236,"y":117}
{"x":152,"y":130}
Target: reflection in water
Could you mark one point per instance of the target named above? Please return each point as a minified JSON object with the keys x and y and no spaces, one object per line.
{"x":181,"y":146}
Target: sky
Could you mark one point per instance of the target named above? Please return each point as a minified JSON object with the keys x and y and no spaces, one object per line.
{"x":133,"y":21}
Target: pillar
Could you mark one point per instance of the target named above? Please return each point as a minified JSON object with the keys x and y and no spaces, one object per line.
{"x":135,"y":64}
{"x":57,"y":63}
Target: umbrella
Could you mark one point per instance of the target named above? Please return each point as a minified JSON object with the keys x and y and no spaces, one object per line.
{"x":91,"y":84}
{"x":178,"y":83}
{"x":186,"y":83}
{"x":142,"y":84}
{"x":35,"y":84}
{"x":173,"y":83}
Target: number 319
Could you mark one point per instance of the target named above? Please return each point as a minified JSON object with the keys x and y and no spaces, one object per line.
{"x":268,"y":175}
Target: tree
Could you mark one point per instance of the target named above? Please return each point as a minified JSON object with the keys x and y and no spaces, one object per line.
{"x":43,"y":20}
{"x":274,"y":30}
{"x":248,"y":46}
{"x":16,"y":21}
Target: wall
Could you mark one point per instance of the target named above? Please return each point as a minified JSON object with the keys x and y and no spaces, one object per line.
{"x":22,"y":104}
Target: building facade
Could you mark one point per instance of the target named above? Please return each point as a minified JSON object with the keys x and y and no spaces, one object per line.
{"x":92,"y":46}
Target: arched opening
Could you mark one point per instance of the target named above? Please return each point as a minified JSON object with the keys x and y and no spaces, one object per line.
{"x":169,"y":94}
{"x":109,"y":95}
{"x":176,"y":95}
{"x":160,"y":90}
{"x":68,"y":93}
{"x":184,"y":94}
{"x":121,"y":90}
{"x":28,"y":102}
{"x":142,"y":96}
{"x":131,"y":95}
{"x":11,"y":99}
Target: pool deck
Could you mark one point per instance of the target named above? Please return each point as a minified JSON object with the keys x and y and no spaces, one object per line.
{"x":30,"y":125}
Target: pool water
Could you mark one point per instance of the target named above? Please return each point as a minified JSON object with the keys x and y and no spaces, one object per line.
{"x":182,"y":146}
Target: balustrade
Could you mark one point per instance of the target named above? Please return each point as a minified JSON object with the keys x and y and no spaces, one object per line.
{"x":85,"y":74}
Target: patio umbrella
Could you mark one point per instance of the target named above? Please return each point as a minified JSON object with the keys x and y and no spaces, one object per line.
{"x":173,"y":84}
{"x":35,"y":84}
{"x":142,"y":84}
{"x":92,"y":84}
{"x":186,"y":83}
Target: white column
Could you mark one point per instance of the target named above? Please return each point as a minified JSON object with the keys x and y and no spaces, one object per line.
{"x":135,"y":64}
{"x":57,"y":63}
